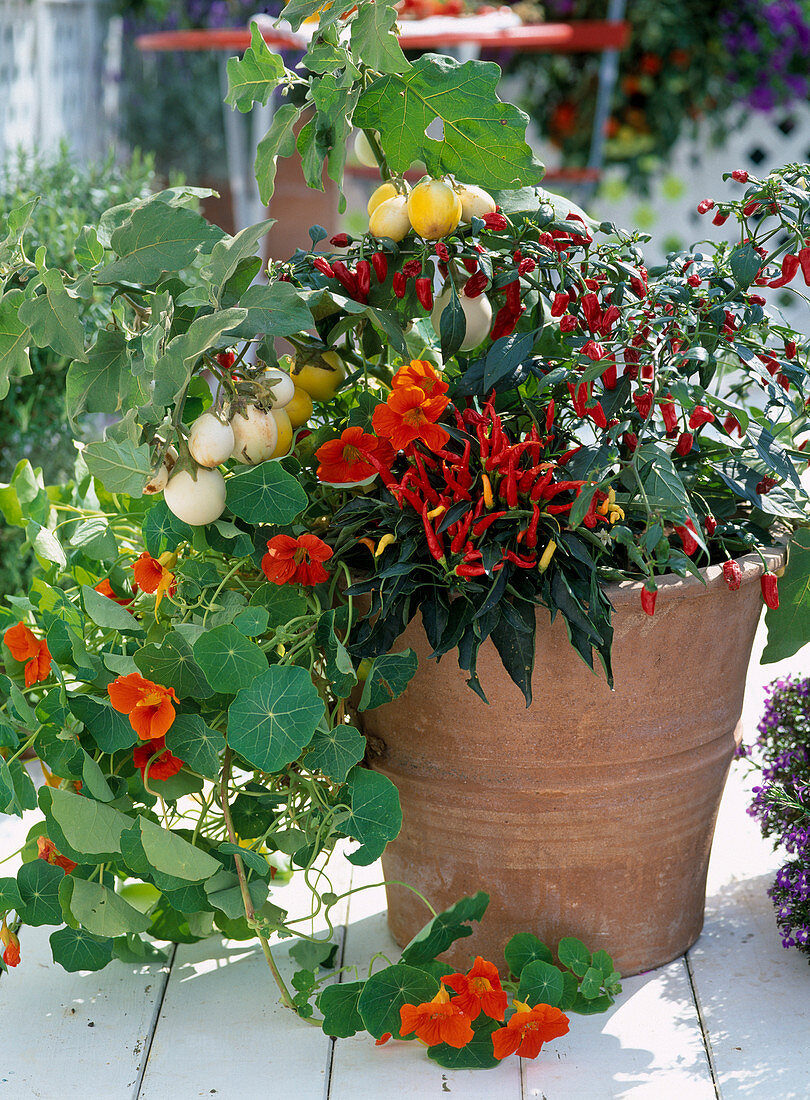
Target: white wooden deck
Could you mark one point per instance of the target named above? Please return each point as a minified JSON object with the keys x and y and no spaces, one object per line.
{"x":731,"y":1019}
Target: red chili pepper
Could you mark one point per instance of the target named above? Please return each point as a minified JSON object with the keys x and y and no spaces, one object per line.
{"x":597,"y":415}
{"x":804,"y":262}
{"x":610,"y":377}
{"x":790,"y":346}
{"x":648,"y":600}
{"x":732,"y":574}
{"x":630,"y":440}
{"x":226,"y":359}
{"x":434,"y":540}
{"x":751,"y":208}
{"x":530,"y":540}
{"x":345,"y":277}
{"x":505,"y":322}
{"x":550,"y":415}
{"x":400,"y":284}
{"x":710,"y":523}
{"x":685,"y":443}
{"x":424,"y":293}
{"x":496,"y":222}
{"x":486,"y":521}
{"x":322,"y":265}
{"x":462,"y":531}
{"x":475,"y":285}
{"x":700,"y":416}
{"x":719,"y":218}
{"x":643,"y":402}
{"x":687,"y":537}
{"x":469,"y":569}
{"x":340,"y":240}
{"x":513,"y":295}
{"x":539,"y":487}
{"x":560,"y":304}
{"x":609,"y":319}
{"x":770,"y":590}
{"x":363,"y":270}
{"x":704,"y":206}
{"x":564,"y":457}
{"x":790,"y":265}
{"x":669,"y":413}
{"x":511,"y":485}
{"x":523,"y":563}
{"x":380,"y":265}
{"x":412,"y":268}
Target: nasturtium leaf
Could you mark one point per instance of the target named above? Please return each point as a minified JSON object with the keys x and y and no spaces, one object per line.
{"x":338,"y":665}
{"x":228,"y":659}
{"x":95,"y":539}
{"x":477,"y":1054}
{"x":8,"y":799}
{"x":266,"y":494}
{"x":335,"y":752}
{"x":171,"y":663}
{"x":227,"y":253}
{"x":94,"y":780}
{"x":38,"y":884}
{"x":270,"y":721}
{"x":55,"y":318}
{"x":279,"y":141}
{"x":74,"y":950}
{"x":176,"y":786}
{"x":120,"y":467}
{"x":376,"y":815}
{"x":541,"y":983}
{"x":14,"y":340}
{"x":99,"y":384}
{"x":275,"y":309}
{"x":283,"y":603}
{"x":524,"y":948}
{"x":570,"y":993}
{"x":192,"y":741}
{"x":108,"y":614}
{"x":604,"y":963}
{"x":789,"y":624}
{"x":593,"y":1007}
{"x":100,"y":910}
{"x":134,"y":949}
{"x":338,"y":1003}
{"x":591,"y":985}
{"x":155,"y":238}
{"x":225,"y":895}
{"x":574,"y":954}
{"x":312,"y":954}
{"x":374,"y":38}
{"x":387,"y":991}
{"x":172,"y":855}
{"x":252,"y":78}
{"x":9,"y":894}
{"x":289,"y":841}
{"x":190,"y":898}
{"x":252,"y":859}
{"x":24,"y":790}
{"x":162,"y":530}
{"x":81,"y":828}
{"x":253,"y":810}
{"x":253,"y":621}
{"x":445,"y":928}
{"x":388,"y":677}
{"x":484,"y":139}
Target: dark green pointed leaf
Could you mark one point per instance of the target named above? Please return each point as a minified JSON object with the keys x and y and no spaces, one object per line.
{"x":541,"y":983}
{"x":376,"y":815}
{"x":338,"y":664}
{"x":445,"y":928}
{"x":388,"y":677}
{"x":524,"y":948}
{"x":171,"y":663}
{"x":190,"y":739}
{"x":266,"y":494}
{"x":387,"y":991}
{"x":271,"y":721}
{"x":335,"y":752}
{"x":120,"y":467}
{"x":74,"y":949}
{"x":338,"y":1003}
{"x":452,"y":325}
{"x":253,"y":77}
{"x":38,"y":884}
{"x":55,"y":318}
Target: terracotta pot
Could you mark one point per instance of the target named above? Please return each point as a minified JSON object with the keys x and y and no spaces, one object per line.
{"x":591,"y":813}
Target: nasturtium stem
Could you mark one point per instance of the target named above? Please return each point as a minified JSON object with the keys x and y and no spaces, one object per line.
{"x":286,"y":999}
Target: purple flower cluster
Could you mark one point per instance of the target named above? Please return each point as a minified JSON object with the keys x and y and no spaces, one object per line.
{"x":782,"y":802}
{"x":769,"y":41}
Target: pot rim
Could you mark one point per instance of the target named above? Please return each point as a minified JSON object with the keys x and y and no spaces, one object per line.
{"x":670,"y":586}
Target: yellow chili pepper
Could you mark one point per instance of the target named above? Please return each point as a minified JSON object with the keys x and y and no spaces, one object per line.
{"x":488,"y":497}
{"x":546,"y":556}
{"x":439,"y":510}
{"x":385,"y":541}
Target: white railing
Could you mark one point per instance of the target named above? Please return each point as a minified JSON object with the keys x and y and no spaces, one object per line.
{"x":57,"y":78}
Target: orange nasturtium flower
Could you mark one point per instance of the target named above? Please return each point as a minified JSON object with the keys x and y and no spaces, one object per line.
{"x":479,"y":990}
{"x":163,"y":765}
{"x":25,"y":646}
{"x":106,"y":589}
{"x":437,"y":1021}
{"x":47,"y":850}
{"x":421,"y":374}
{"x":409,"y":415}
{"x":153,"y":577}
{"x":11,"y":955}
{"x":528,"y":1029}
{"x":296,"y":561}
{"x":345,"y":461}
{"x":149,"y":705}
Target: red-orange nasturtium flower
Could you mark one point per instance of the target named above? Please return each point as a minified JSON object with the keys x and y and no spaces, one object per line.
{"x":437,"y":1021}
{"x":152,"y":576}
{"x":163,"y":766}
{"x":528,"y":1029}
{"x":11,"y":954}
{"x":47,"y":850}
{"x":421,"y":374}
{"x":296,"y":561}
{"x":479,"y":990}
{"x":25,"y":646}
{"x":149,"y":705}
{"x":106,"y":589}
{"x":408,"y":415}
{"x":345,"y":461}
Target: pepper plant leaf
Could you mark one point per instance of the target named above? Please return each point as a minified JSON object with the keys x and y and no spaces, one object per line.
{"x":483,"y":138}
{"x":270,"y":721}
{"x":388,"y":677}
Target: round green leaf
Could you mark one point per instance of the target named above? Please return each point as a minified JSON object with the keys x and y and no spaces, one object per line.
{"x":271,"y":721}
{"x":477,"y":1054}
{"x":190,"y":739}
{"x":338,"y":1003}
{"x":171,"y":663}
{"x":74,"y":949}
{"x":229,"y":660}
{"x":387,"y":991}
{"x":574,"y":954}
{"x":541,"y":983}
{"x":102,"y":911}
{"x":38,"y":884}
{"x":376,"y":815}
{"x":335,"y":752}
{"x":524,"y":948}
{"x":266,"y":494}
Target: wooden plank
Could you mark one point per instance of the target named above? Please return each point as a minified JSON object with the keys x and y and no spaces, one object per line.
{"x":73,"y":1035}
{"x":222,"y":1030}
{"x":398,"y":1069}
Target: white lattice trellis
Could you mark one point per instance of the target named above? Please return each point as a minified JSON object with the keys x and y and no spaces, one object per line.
{"x":55,"y":83}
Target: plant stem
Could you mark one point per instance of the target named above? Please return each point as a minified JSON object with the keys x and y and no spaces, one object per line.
{"x":286,"y":999}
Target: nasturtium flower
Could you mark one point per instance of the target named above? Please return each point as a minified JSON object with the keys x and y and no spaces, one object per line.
{"x":437,"y":1021}
{"x":409,"y":415}
{"x":11,"y":954}
{"x":47,"y":850}
{"x":528,"y":1029}
{"x":346,"y":461}
{"x":479,"y":990}
{"x":164,"y":765}
{"x":421,"y":374}
{"x":27,"y":648}
{"x":149,"y":705}
{"x":152,"y":576}
{"x":296,"y":561}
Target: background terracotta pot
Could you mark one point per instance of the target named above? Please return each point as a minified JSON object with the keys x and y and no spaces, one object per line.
{"x":591,"y":813}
